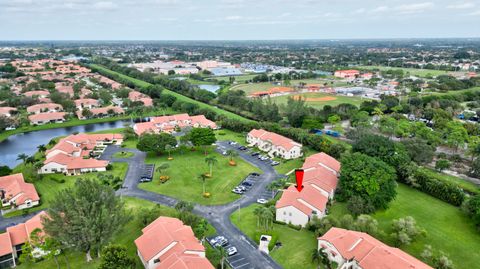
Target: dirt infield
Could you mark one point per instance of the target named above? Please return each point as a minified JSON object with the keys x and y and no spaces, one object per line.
{"x":315,"y":99}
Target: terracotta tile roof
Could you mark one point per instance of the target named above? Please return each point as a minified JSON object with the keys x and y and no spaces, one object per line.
{"x":36,"y":93}
{"x":47,"y":116}
{"x":40,"y":107}
{"x":5,"y":244}
{"x":317,"y":177}
{"x":275,"y":139}
{"x":369,"y":252}
{"x":15,"y":185}
{"x":18,"y":234}
{"x":76,"y":162}
{"x":322,"y":159}
{"x":87,"y":101}
{"x":307,"y":200}
{"x":7,"y":110}
{"x":168,"y":123}
{"x":172,"y":235}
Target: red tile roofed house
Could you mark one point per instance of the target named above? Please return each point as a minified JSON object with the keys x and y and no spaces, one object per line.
{"x":82,"y":144}
{"x":167,"y":243}
{"x":274,"y":144}
{"x":167,"y":124}
{"x":38,"y":94}
{"x":16,"y":192}
{"x":112,"y":83}
{"x":62,"y":163}
{"x":44,"y":108}
{"x":349,"y":74}
{"x":84,"y":92}
{"x":15,"y":237}
{"x":43,"y":118}
{"x":102,"y":112}
{"x":71,"y":154}
{"x":64,"y":88}
{"x":357,"y":250}
{"x":7,"y":111}
{"x":366,"y":75}
{"x":140,"y":97}
{"x":86,"y":103}
{"x":320,"y":182}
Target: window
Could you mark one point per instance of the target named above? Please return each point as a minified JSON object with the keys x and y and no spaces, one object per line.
{"x":156,"y":260}
{"x":284,"y":213}
{"x":290,"y":214}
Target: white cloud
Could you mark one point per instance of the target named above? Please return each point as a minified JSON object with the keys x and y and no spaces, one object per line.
{"x":233,"y":18}
{"x":380,"y":9}
{"x":461,"y":5}
{"x":414,"y":8}
{"x":475,"y":13}
{"x":105,"y":5}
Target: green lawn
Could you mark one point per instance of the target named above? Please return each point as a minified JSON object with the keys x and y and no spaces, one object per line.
{"x":354,"y":100}
{"x":50,"y":184}
{"x":185,"y":169}
{"x":448,"y":229}
{"x":125,"y":237}
{"x":225,"y":134}
{"x":123,"y":154}
{"x":297,"y":246}
{"x":239,"y":79}
{"x":142,"y":83}
{"x":412,"y":71}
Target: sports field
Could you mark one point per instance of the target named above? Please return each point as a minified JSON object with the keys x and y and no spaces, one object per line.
{"x":258,"y":87}
{"x":319,"y":100}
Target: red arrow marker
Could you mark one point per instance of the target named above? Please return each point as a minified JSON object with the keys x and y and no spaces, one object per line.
{"x":299,"y":177}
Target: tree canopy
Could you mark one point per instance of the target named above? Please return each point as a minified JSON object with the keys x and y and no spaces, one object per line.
{"x":368,"y":178}
{"x":155,"y":142}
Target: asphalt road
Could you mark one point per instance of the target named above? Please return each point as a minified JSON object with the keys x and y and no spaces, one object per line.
{"x":248,"y":257}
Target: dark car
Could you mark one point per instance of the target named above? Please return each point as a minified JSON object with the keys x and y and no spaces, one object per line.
{"x":254,"y":174}
{"x":255,"y":154}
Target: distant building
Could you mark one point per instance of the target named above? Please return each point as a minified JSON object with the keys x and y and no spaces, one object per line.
{"x":168,"y":124}
{"x":101,"y":112}
{"x":357,"y":250}
{"x":348,"y":74}
{"x":7,"y":111}
{"x":86,"y":103}
{"x":274,"y":144}
{"x":225,"y":71}
{"x":44,"y":108}
{"x":44,"y":118}
{"x":140,"y":97}
{"x":38,"y":94}
{"x":167,"y":243}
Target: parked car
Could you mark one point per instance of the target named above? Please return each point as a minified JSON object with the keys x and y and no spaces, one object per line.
{"x":221,"y":243}
{"x":255,"y":154}
{"x":237,"y":191}
{"x":262,"y":201}
{"x":232,"y":143}
{"x":242,"y":148}
{"x":275,"y":163}
{"x":231,"y":251}
{"x":224,"y":153}
{"x":254,"y":174}
{"x":216,"y":239}
{"x":247,"y":183}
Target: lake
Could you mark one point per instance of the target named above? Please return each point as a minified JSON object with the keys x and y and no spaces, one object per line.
{"x":28,"y":142}
{"x":210,"y":88}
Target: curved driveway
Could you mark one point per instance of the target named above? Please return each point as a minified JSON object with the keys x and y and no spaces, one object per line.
{"x":217,"y":215}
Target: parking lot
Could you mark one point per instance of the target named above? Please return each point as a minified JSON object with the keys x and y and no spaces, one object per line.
{"x":235,"y":261}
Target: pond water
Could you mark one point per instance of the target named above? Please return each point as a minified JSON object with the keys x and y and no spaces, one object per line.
{"x":28,"y":142}
{"x":209,"y":87}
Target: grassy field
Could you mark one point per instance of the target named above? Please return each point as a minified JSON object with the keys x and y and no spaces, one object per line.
{"x":225,"y":134}
{"x":239,"y":79}
{"x":411,"y":71}
{"x":50,"y":184}
{"x":185,"y":169}
{"x":142,"y":83}
{"x":125,"y":237}
{"x":297,"y":246}
{"x":448,"y":229}
{"x":315,"y":99}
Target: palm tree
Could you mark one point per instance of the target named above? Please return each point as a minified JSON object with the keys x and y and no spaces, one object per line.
{"x":30,"y":160}
{"x":211,"y":160}
{"x":231,"y":154}
{"x":22,"y":156}
{"x":203,"y":178}
{"x":163,"y":167}
{"x":320,"y":257}
{"x":169,"y":148}
{"x":42,"y":148}
{"x":257,"y":212}
{"x":223,"y":254}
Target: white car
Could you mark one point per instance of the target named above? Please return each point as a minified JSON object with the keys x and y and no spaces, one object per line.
{"x":262,"y":201}
{"x":231,"y":251}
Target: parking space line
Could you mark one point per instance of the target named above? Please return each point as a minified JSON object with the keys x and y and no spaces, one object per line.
{"x":240,"y":266}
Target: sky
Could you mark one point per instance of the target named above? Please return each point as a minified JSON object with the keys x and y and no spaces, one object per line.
{"x":236,"y":19}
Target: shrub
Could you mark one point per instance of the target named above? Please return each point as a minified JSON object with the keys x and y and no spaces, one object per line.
{"x":109,"y":167}
{"x":207,"y":195}
{"x":296,"y":227}
{"x":164,"y":179}
{"x":58,"y":180}
{"x":445,"y":191}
